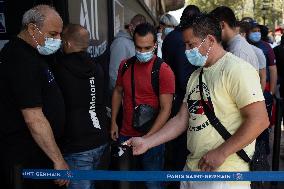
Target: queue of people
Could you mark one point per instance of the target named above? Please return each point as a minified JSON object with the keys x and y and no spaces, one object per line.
{"x":180,"y":84}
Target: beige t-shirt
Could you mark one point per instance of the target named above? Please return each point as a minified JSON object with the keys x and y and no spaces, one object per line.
{"x":227,"y":87}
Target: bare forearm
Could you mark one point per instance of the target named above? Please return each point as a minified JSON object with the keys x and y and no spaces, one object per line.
{"x":273,"y":79}
{"x":43,"y":135}
{"x":172,"y":129}
{"x":247,"y":133}
{"x":160,"y":121}
{"x":116,"y":103}
{"x":262,"y":75}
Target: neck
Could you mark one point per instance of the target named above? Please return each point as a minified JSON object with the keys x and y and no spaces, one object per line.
{"x":232,"y":33}
{"x":24,"y":35}
{"x":218,"y":54}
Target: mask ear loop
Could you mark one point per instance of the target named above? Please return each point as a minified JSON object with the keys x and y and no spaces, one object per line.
{"x":201,"y":43}
{"x":208,"y":51}
{"x":34,"y":36}
{"x":38,"y":30}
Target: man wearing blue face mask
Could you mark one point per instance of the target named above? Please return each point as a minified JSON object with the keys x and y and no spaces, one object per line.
{"x":167,"y":25}
{"x":31,"y":106}
{"x":135,"y":88}
{"x":254,"y":38}
{"x":218,"y":86}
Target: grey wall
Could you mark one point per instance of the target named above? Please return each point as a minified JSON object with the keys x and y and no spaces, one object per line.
{"x":133,"y":7}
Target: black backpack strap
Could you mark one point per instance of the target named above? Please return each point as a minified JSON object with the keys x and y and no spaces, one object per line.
{"x":127,"y":64}
{"x":155,"y":75}
{"x":214,"y":121}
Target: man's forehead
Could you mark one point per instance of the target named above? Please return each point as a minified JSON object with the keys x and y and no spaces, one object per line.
{"x":189,"y":36}
{"x":147,"y":37}
{"x":52,"y":23}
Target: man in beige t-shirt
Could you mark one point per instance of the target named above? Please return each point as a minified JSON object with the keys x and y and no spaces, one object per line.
{"x":232,"y":90}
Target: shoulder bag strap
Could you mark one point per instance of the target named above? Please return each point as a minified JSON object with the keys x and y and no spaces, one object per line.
{"x":214,"y":121}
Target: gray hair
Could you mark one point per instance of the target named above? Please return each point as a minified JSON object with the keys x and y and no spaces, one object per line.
{"x":168,"y":20}
{"x":37,"y":15}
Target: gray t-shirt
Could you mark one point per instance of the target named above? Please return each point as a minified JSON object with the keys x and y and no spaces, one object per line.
{"x":242,"y":49}
{"x":260,"y":56}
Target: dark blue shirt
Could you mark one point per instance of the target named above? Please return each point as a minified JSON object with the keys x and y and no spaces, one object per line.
{"x":173,"y":51}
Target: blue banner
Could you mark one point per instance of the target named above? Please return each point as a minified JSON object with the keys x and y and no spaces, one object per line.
{"x":153,"y":175}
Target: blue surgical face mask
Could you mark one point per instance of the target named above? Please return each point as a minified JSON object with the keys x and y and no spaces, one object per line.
{"x":50,"y":46}
{"x":145,"y":56}
{"x":255,"y":37}
{"x":168,"y":30}
{"x":195,"y":57}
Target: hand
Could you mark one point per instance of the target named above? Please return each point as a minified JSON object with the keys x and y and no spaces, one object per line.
{"x":114,"y":131}
{"x":139,"y":145}
{"x":61,"y":165}
{"x":212,"y":160}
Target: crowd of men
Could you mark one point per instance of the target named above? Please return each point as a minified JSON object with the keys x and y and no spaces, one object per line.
{"x":178,"y":83}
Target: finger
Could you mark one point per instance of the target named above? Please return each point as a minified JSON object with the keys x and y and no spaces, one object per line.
{"x":203,"y":166}
{"x":68,"y":182}
{"x":135,"y":151}
{"x":207,"y":168}
{"x":61,"y":182}
{"x":64,"y":182}
{"x":113,"y":137}
{"x":58,"y":182}
{"x":127,"y":143}
{"x":201,"y":162}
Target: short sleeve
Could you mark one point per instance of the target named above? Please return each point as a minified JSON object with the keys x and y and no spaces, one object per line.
{"x":244,"y":87}
{"x":195,"y":74}
{"x":25,"y":83}
{"x":271,"y":56}
{"x":166,"y":80}
{"x":119,"y":75}
{"x":261,"y":59}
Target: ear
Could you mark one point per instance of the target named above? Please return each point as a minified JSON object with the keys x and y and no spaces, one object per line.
{"x":68,"y":44}
{"x":31,"y":28}
{"x":156,"y":45}
{"x":212,"y":40}
{"x":222,"y":24}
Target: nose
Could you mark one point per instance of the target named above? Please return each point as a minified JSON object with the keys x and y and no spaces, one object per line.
{"x":58,"y":36}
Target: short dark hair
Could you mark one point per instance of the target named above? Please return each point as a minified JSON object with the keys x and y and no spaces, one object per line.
{"x":144,"y":29}
{"x":264,"y":32}
{"x":203,"y":25}
{"x":245,"y":27}
{"x":76,"y":33}
{"x":225,"y":14}
{"x":189,"y":12}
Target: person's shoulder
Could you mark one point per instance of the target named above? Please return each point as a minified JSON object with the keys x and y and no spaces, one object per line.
{"x":235,"y":65}
{"x":175,"y":35}
{"x":16,"y":51}
{"x":123,"y":36}
{"x":121,"y":42}
{"x":266,"y":45}
{"x":166,"y":69}
{"x":165,"y":66}
{"x":256,"y":49}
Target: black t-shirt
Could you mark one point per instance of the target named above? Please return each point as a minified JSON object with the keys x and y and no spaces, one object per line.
{"x":26,"y":82}
{"x":82,"y":84}
{"x":279,"y":56}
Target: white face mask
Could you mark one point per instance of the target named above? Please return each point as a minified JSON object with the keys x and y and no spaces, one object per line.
{"x":278,"y":39}
{"x":168,"y":30}
{"x":50,"y":46}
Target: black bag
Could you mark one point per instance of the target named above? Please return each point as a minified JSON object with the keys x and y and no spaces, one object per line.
{"x":144,"y":115}
{"x":259,"y":160}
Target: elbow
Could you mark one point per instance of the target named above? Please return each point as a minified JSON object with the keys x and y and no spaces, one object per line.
{"x":265,"y":123}
{"x":167,"y":110}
